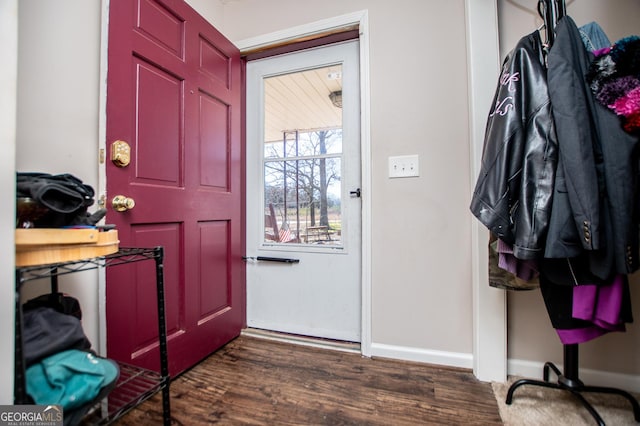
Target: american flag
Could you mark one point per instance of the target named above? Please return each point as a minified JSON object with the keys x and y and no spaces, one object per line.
{"x":284,"y":235}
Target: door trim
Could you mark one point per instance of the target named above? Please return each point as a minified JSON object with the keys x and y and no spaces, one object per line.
{"x":489,"y":304}
{"x":101,"y":190}
{"x":361,"y":19}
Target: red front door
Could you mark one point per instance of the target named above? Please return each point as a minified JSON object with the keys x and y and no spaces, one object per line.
{"x":174,"y":95}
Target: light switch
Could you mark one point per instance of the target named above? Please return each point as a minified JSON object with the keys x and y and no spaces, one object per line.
{"x":404,"y":166}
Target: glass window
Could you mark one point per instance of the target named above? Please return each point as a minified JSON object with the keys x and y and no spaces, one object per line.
{"x":303,"y":167}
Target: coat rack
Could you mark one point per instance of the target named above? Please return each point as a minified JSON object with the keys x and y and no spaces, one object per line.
{"x":571,"y":382}
{"x":551,"y":12}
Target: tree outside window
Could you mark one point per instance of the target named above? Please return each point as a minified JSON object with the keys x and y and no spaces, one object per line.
{"x":302,"y":187}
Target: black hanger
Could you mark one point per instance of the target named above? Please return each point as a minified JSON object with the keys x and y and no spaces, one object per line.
{"x":561,"y":8}
{"x":551,"y":11}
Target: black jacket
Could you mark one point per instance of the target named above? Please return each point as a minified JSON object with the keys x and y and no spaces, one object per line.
{"x":594,"y":212}
{"x":513,"y":192}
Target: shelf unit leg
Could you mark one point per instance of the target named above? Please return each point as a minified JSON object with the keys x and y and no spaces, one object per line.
{"x":19,"y":384}
{"x":162,"y":330}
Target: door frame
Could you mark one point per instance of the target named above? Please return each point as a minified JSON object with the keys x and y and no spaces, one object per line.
{"x":489,"y":304}
{"x":101,"y":190}
{"x":361,"y":19}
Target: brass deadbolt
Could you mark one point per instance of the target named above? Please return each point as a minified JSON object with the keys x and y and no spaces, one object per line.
{"x":120,"y":203}
{"x":120,"y":153}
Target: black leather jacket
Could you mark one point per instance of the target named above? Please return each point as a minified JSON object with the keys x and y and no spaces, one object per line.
{"x":514,"y":190}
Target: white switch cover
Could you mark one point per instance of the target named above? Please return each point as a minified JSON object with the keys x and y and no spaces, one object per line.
{"x":404,"y":166}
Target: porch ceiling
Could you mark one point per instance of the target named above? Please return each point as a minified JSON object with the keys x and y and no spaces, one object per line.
{"x":300,"y":101}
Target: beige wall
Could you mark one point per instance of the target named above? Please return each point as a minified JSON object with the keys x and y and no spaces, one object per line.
{"x":420,"y":241}
{"x":57,"y":124}
{"x":212,"y":10}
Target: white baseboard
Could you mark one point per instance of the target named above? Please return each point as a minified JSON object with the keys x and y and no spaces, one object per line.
{"x":451,"y":359}
{"x":533,"y":370}
{"x":515,"y":367}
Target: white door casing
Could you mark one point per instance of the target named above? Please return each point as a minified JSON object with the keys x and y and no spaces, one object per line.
{"x":489,"y":304}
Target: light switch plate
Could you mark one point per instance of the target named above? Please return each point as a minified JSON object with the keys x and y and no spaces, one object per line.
{"x":404,"y":166}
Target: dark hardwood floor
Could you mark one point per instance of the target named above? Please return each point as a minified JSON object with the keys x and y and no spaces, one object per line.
{"x":252,"y":381}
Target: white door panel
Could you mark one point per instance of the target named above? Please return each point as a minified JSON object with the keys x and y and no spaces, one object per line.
{"x":320,"y":294}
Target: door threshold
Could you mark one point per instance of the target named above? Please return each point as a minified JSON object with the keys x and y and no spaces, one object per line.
{"x":316,"y":342}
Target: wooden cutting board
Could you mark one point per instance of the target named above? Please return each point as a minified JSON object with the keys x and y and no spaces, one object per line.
{"x":47,"y":246}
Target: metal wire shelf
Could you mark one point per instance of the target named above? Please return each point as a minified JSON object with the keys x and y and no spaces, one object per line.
{"x":134,"y":384}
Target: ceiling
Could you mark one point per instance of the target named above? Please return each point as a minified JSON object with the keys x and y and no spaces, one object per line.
{"x":300,"y":101}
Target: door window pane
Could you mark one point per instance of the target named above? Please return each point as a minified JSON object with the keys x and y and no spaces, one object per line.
{"x":303,"y":158}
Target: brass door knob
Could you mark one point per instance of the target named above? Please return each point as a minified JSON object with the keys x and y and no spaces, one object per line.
{"x":120,"y":203}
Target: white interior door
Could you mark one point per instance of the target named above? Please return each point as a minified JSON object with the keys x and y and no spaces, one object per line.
{"x":303,"y":193}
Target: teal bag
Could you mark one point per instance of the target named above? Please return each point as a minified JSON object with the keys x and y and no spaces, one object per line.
{"x":69,"y":378}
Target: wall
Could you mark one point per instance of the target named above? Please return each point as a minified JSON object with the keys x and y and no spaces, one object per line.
{"x":530,"y":335}
{"x":57,"y":125}
{"x":212,"y":11}
{"x":421,"y":294}
{"x":8,"y":75}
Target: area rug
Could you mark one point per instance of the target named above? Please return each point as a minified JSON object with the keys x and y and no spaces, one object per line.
{"x":537,"y":405}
